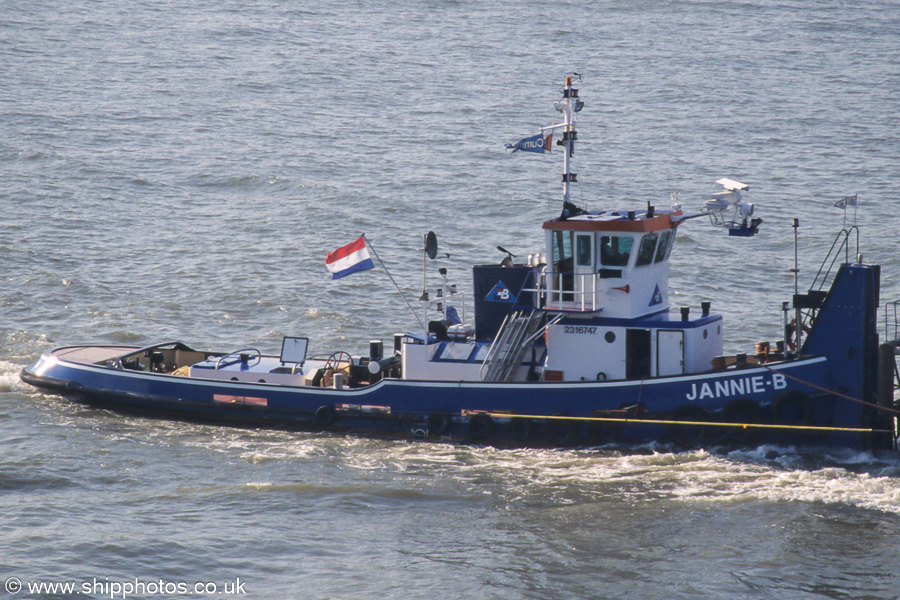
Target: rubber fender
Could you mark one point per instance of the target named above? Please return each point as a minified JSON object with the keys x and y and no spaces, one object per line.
{"x":562,"y":432}
{"x":743,"y":410}
{"x":600,"y":432}
{"x":689,"y":436}
{"x":521,"y":429}
{"x":480,"y":427}
{"x":792,"y":408}
{"x":438,"y":422}
{"x":325,"y":415}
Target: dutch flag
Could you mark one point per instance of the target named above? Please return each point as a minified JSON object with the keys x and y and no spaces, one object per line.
{"x":351,"y":258}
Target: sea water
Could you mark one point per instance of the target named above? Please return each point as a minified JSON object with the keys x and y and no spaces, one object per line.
{"x":178,"y":170}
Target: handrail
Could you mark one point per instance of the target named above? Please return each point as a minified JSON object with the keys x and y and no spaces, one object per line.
{"x":495,"y":345}
{"x":584,"y":299}
{"x":238,"y":352}
{"x":543,"y":329}
{"x":891,"y":320}
{"x":508,"y":345}
{"x":841,"y":241}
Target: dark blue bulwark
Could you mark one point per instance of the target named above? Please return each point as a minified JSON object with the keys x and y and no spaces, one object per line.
{"x":490,"y":310}
{"x":413,"y":408}
{"x":846,"y":331}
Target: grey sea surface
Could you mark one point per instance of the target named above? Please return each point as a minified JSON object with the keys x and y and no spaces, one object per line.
{"x":178,"y":170}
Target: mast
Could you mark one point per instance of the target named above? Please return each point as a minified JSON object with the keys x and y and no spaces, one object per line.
{"x":568,"y":106}
{"x":569,"y":136}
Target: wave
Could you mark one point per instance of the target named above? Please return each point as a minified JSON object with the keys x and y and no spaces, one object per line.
{"x":554,"y":476}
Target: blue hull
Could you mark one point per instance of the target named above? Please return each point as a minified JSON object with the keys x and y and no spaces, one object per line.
{"x":518,"y":414}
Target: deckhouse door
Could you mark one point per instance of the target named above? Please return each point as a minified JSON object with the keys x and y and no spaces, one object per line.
{"x":637,"y":353}
{"x":669,"y":352}
{"x":564,"y":264}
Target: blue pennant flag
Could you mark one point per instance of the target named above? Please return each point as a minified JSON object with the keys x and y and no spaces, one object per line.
{"x":844,"y":203}
{"x":536,"y":143}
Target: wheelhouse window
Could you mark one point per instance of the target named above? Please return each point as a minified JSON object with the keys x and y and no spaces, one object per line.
{"x":584,"y":254}
{"x":662,"y":250}
{"x":562,"y":250}
{"x":647,"y":249}
{"x":615,"y":250}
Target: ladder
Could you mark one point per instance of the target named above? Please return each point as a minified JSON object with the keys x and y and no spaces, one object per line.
{"x":513,"y":339}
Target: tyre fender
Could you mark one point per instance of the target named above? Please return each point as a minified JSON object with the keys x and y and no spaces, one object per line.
{"x":480,"y":427}
{"x":325,"y":415}
{"x":438,"y":423}
{"x":792,"y":408}
{"x":743,"y":410}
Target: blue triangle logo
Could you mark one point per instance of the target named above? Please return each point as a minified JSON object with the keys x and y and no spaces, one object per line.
{"x":657,"y":297}
{"x":501,"y":293}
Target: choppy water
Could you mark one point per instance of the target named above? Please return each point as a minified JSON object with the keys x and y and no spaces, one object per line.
{"x":178,"y":170}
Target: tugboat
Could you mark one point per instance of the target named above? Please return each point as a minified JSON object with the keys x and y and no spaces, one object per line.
{"x":575,"y":346}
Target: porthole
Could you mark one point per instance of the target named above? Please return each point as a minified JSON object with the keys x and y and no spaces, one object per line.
{"x":705,"y":334}
{"x":610,"y":337}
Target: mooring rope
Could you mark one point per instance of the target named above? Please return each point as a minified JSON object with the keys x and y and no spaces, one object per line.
{"x":832,"y":392}
{"x":699,"y":423}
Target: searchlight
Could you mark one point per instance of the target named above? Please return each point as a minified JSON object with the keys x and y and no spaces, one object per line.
{"x":726,"y":209}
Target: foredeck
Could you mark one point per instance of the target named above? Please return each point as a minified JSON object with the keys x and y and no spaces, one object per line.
{"x":91,"y":354}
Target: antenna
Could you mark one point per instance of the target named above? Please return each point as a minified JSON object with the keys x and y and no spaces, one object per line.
{"x":796,"y":270}
{"x":508,"y":261}
{"x":429,"y":250}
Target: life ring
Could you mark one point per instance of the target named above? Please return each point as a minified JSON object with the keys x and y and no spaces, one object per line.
{"x":690,"y":436}
{"x":325,"y":415}
{"x":742,"y":410}
{"x":521,"y":429}
{"x":438,"y":422}
{"x":792,"y":408}
{"x":789,"y":334}
{"x":480,"y":427}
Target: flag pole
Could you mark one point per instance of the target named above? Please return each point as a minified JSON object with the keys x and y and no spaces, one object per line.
{"x":383,"y":266}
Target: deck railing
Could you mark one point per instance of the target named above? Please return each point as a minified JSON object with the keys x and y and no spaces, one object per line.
{"x":564,"y":291}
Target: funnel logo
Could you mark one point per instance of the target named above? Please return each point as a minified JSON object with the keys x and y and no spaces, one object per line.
{"x":500,"y":293}
{"x":657,"y":297}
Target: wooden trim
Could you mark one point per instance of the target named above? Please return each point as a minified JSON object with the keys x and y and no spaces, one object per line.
{"x":657,"y":223}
